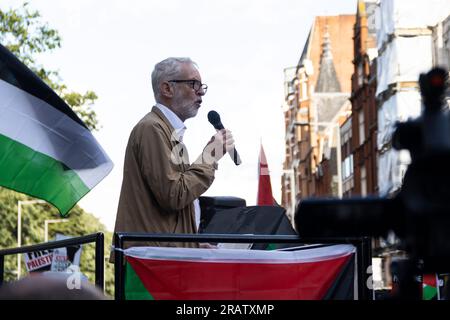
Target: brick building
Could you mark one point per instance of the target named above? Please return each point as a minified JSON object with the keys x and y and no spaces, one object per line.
{"x":364,"y":105}
{"x":317,"y":92}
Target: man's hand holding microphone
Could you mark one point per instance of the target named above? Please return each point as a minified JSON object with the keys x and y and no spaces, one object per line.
{"x":222,"y":142}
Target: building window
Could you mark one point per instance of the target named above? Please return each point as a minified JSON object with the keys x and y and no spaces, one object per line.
{"x":362,"y":135}
{"x":344,"y":173}
{"x":351,"y":164}
{"x":360,"y":74}
{"x":363,"y":181}
{"x":347,"y":167}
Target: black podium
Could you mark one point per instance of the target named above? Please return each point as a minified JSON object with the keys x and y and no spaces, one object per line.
{"x":229,"y":215}
{"x":211,"y":205}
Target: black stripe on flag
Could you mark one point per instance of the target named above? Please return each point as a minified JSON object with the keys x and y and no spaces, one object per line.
{"x":17,"y":74}
{"x":343,"y":286}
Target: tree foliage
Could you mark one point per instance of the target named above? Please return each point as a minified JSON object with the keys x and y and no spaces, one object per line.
{"x":80,"y":223}
{"x":25,"y":35}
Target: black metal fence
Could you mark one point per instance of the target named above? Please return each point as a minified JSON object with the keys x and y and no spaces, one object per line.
{"x":98,"y":238}
{"x":363,"y":252}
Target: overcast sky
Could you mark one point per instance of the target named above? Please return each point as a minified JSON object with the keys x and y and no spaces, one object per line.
{"x":241,"y":47}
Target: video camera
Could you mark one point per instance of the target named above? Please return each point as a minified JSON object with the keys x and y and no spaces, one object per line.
{"x":419,"y":214}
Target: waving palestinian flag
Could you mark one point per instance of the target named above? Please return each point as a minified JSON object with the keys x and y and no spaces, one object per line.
{"x":46,"y":151}
{"x":231,"y":274}
{"x":430,"y":287}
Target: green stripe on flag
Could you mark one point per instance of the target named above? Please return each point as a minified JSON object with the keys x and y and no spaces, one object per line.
{"x":134,"y":288}
{"x":429,"y":292}
{"x":28,"y":171}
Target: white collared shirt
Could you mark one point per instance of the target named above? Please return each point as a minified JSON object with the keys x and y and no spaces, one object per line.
{"x":180,"y":128}
{"x":174,"y":120}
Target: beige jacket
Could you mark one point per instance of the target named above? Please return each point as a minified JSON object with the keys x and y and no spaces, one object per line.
{"x":158,"y":189}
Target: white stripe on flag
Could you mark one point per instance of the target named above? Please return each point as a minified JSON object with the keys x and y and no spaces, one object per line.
{"x":244,"y":256}
{"x":36,"y":124}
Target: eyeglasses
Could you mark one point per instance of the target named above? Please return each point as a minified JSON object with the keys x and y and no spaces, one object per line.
{"x":194,"y":84}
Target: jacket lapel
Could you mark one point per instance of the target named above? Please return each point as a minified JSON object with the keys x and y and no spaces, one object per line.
{"x":178,"y":147}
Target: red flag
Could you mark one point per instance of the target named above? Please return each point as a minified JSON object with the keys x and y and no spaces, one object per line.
{"x":265,"y":197}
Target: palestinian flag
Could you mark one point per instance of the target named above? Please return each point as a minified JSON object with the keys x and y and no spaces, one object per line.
{"x":46,"y":151}
{"x":430,"y":287}
{"x":232,"y":274}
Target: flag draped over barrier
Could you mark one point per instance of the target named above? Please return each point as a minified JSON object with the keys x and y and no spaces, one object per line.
{"x":46,"y":151}
{"x":231,"y":274}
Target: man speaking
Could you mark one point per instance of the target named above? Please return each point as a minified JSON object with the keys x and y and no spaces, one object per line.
{"x":160,"y":187}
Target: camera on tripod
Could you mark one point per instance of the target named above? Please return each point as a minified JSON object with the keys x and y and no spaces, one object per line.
{"x":419,"y":214}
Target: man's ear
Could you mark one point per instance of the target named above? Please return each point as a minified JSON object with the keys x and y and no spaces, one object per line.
{"x":166,"y":90}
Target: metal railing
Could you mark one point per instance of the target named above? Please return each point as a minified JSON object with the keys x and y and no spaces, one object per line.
{"x":98,"y":238}
{"x":362,"y":245}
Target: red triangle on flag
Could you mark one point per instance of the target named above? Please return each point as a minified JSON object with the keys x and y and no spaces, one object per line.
{"x":265,"y":197}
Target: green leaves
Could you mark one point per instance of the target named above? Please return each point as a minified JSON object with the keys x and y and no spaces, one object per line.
{"x":80,"y":223}
{"x":82,"y":105}
{"x":24,"y":34}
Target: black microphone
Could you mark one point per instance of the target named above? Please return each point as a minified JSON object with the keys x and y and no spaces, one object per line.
{"x":214,"y":119}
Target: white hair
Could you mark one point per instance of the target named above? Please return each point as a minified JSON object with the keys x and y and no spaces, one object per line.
{"x":166,"y":70}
